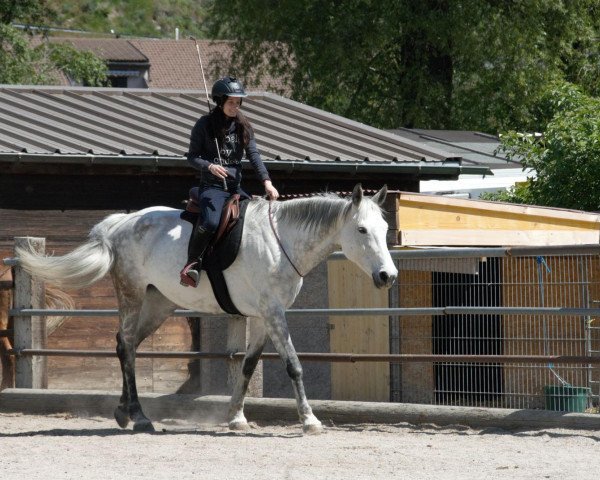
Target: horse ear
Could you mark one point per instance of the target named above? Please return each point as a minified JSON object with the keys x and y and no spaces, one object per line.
{"x":357,"y":194}
{"x":379,"y":197}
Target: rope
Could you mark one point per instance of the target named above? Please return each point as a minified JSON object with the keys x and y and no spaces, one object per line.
{"x":279,"y":240}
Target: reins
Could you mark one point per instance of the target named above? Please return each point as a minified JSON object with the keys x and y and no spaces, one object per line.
{"x":279,"y":240}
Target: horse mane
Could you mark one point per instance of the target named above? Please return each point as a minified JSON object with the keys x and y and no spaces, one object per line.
{"x":323,"y":211}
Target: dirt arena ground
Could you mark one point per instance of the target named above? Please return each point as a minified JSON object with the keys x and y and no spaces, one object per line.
{"x":62,"y":446}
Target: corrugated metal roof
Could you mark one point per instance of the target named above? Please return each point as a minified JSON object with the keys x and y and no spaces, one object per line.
{"x":155,"y":124}
{"x":475,"y":148}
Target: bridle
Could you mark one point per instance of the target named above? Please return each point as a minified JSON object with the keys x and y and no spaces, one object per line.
{"x":279,"y":240}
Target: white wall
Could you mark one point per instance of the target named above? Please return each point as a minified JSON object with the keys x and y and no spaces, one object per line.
{"x":472,"y":186}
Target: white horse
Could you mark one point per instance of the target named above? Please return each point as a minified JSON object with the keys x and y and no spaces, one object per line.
{"x":144,"y":251}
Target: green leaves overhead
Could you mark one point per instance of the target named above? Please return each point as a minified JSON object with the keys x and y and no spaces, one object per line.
{"x":469,"y":64}
{"x":566,"y":156}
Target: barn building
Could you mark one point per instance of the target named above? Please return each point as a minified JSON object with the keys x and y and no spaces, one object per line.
{"x":70,"y":156}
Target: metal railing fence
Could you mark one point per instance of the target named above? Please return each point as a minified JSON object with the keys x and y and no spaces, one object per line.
{"x":500,"y":327}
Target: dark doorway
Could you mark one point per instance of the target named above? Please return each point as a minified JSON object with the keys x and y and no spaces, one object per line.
{"x":475,"y":334}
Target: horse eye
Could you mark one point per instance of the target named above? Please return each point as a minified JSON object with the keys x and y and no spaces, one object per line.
{"x":362,"y":229}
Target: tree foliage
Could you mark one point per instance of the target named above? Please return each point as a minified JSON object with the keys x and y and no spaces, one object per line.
{"x":454,"y":64}
{"x":83,"y":67}
{"x":566,"y":157}
{"x":26,"y":11}
{"x":23,"y":63}
{"x":153,"y":18}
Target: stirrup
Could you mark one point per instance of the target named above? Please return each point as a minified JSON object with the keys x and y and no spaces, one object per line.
{"x":189,"y":276}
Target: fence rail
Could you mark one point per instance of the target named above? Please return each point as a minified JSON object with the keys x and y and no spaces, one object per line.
{"x":349,"y":312}
{"x":327,"y":357}
{"x":518,"y":327}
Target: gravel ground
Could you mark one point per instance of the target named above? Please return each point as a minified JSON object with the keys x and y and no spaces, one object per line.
{"x":69,"y":447}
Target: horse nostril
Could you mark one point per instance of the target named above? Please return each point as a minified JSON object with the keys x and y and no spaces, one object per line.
{"x":384,"y":276}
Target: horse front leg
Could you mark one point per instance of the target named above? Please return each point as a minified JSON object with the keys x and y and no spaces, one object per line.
{"x":278,"y":332}
{"x":257,"y":336}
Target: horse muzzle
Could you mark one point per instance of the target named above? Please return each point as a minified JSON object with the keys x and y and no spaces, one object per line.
{"x":384,"y":279}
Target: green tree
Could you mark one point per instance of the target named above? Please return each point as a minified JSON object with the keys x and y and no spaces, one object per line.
{"x":83,"y":67}
{"x":26,"y":11}
{"x":566,"y":156}
{"x":21,"y":63}
{"x":153,"y":18}
{"x":17,"y":60}
{"x":455,"y":64}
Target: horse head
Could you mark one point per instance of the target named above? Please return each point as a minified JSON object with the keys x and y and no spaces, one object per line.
{"x":363,"y":237}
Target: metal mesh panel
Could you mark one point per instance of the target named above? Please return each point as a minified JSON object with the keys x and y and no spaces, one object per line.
{"x":530,"y":282}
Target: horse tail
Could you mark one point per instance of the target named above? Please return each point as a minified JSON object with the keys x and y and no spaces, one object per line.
{"x":80,"y":268}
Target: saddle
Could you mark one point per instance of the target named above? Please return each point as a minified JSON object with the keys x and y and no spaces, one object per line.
{"x":224,"y":246}
{"x":229,"y":216}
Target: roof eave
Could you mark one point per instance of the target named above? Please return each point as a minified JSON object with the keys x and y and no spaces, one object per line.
{"x":453,"y":168}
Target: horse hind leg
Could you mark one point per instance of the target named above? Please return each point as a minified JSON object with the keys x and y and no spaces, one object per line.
{"x":279,"y":334}
{"x":257,"y":338}
{"x":138,"y":321}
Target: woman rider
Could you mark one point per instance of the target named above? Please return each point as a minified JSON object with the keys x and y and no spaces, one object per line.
{"x":235,"y":137}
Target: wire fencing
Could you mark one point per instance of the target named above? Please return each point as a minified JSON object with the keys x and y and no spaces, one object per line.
{"x":524,"y":289}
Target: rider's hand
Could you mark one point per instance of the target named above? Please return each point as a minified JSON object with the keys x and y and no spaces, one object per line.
{"x":217,"y":170}
{"x":271,"y":191}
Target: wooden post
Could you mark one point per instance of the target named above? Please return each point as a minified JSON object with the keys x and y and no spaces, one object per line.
{"x":30,"y":332}
{"x":237,"y":335}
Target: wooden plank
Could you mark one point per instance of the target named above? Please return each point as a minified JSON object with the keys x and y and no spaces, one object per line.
{"x":440,"y":203}
{"x":213,"y":408}
{"x":349,"y":287}
{"x":439,"y":220}
{"x":29,"y":331}
{"x":498,"y":237}
{"x":415,"y":336}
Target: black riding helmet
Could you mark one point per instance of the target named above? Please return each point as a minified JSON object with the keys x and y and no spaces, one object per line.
{"x":227,"y":87}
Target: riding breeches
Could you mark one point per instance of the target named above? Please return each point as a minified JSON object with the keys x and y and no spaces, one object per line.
{"x":211,"y":202}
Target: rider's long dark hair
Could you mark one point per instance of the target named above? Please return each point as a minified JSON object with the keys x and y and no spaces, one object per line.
{"x":219,"y":124}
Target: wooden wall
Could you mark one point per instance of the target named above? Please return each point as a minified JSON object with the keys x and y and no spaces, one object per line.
{"x":63,"y":232}
{"x":438,"y":220}
{"x":349,"y":287}
{"x":417,"y":379}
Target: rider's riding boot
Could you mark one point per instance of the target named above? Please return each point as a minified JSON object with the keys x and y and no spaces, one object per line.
{"x":190,"y":275}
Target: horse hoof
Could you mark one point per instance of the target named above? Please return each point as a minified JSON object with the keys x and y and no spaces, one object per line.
{"x":122,"y":417}
{"x":143,"y":426}
{"x":239,"y":426}
{"x":312,"y":428}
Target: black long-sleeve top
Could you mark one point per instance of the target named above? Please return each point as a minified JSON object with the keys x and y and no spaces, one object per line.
{"x":203,"y":152}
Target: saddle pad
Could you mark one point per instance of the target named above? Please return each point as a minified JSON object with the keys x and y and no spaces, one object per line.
{"x":220,"y":256}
